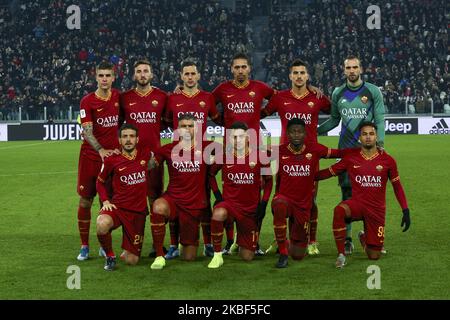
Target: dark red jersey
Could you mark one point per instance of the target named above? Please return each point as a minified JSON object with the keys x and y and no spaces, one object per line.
{"x":307,"y":108}
{"x":104,"y":116}
{"x":297,"y":170}
{"x":129,"y":181}
{"x":201,"y":105}
{"x":242,"y":103}
{"x":368,"y":176}
{"x":146,"y":113}
{"x":187,"y":174}
{"x":241,"y":181}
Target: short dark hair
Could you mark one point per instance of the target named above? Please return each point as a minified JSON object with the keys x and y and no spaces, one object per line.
{"x":127,"y":126}
{"x":142,"y":61}
{"x":105,"y":65}
{"x":239,"y":125}
{"x":295,"y":121}
{"x":298,"y":63}
{"x":352,"y":57}
{"x":241,"y":55}
{"x":367,"y":124}
{"x":186,"y":116}
{"x":188,"y":63}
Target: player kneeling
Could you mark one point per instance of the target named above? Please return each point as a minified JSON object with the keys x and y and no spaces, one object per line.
{"x":128,"y":205}
{"x":242,"y":176}
{"x":185,"y":198}
{"x":298,"y":162}
{"x":369,"y":168}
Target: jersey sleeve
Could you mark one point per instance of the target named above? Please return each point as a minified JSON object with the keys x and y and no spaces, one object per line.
{"x":325,"y":105}
{"x":212,"y":112}
{"x":161,"y":154}
{"x":85,"y":112}
{"x":379,"y":114}
{"x":335,"y":116}
{"x":393,"y":171}
{"x":339,"y":167}
{"x":217,"y":93}
{"x":325,"y":153}
{"x":168,"y":113}
{"x":105,"y":172}
{"x":271,"y":107}
{"x":268,"y":92}
{"x":397,"y":185}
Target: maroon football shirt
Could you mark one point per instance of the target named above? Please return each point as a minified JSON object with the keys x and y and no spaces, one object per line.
{"x":187,"y":174}
{"x":129,"y":181}
{"x":288,"y":105}
{"x":104,"y":116}
{"x":201,"y":105}
{"x":145,"y":112}
{"x":241,"y":179}
{"x":242,"y":103}
{"x":368,"y":176}
{"x":297,"y":170}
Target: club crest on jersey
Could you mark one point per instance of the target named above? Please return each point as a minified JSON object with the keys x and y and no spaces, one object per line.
{"x":81,"y":188}
{"x":252,"y":164}
{"x":116,"y":104}
{"x":252,"y":94}
{"x":379,"y":167}
{"x":311,"y":104}
{"x":308,"y":156}
{"x":143,"y":163}
{"x":202,"y":104}
{"x":364,"y":99}
{"x":154,"y":103}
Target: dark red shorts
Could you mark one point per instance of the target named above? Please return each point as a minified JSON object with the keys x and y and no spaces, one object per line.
{"x":246,"y":224}
{"x":374,"y":222}
{"x":298,"y":221}
{"x":88,"y":171}
{"x":189,"y":221}
{"x":133,"y":228}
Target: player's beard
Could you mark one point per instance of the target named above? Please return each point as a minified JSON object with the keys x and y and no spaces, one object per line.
{"x":142,"y":84}
{"x":353,"y":79}
{"x":369,"y":145}
{"x":129,"y":148}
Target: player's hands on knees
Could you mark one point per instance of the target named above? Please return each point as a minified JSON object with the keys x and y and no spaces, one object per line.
{"x":261,"y":211}
{"x":406,"y":220}
{"x":317,"y":91}
{"x":108,"y":206}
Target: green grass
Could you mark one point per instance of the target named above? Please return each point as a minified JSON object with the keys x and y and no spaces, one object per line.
{"x":39,"y":238}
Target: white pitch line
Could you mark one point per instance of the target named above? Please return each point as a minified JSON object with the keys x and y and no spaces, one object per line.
{"x":28,"y":145}
{"x":37,"y":173}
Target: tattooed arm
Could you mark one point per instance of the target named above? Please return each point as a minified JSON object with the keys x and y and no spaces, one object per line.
{"x":88,"y":131}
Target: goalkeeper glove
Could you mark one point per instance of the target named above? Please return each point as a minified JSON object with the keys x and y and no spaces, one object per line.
{"x":406,"y":220}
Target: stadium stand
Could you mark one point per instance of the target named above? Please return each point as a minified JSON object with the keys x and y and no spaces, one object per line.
{"x":44,"y":64}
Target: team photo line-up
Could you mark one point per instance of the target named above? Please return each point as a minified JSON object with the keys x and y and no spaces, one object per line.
{"x":122,"y":160}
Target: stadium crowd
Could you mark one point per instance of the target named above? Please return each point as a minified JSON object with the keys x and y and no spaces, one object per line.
{"x":408,"y":58}
{"x":43,"y":63}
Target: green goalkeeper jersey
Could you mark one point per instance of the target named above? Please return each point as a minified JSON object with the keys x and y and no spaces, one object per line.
{"x":354,"y":105}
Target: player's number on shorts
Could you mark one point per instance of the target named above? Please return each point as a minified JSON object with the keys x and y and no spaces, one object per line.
{"x":380,"y":232}
{"x":138,"y":239}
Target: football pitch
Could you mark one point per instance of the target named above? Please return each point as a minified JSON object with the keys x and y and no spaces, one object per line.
{"x":40,"y":241}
